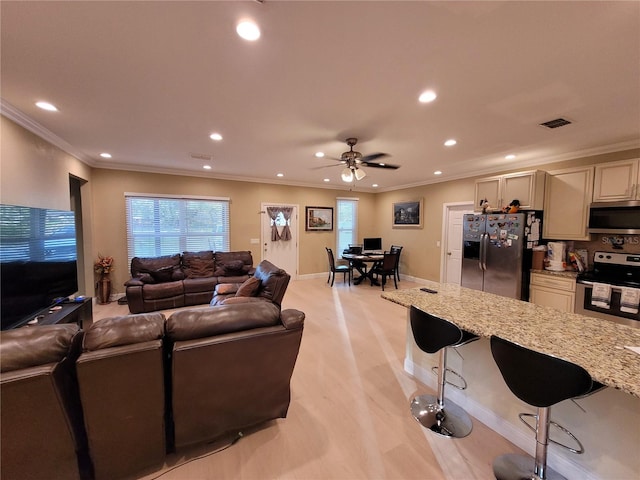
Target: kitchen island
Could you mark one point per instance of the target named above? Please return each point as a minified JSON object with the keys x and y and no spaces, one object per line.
{"x":610,"y":427}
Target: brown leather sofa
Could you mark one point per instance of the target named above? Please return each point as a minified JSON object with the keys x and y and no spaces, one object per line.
{"x":231,"y":367}
{"x":121,"y":378}
{"x":42,"y":434}
{"x":173,"y":281}
{"x":269,"y":283}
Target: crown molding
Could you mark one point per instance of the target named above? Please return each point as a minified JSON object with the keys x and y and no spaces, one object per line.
{"x":19,"y":117}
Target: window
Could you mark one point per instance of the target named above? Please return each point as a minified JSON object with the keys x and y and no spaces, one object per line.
{"x":159,"y":225}
{"x":347,"y":221}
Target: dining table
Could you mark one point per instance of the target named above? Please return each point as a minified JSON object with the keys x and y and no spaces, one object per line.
{"x":359,"y":261}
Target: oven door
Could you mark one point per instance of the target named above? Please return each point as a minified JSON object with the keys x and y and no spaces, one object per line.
{"x":614,"y":314}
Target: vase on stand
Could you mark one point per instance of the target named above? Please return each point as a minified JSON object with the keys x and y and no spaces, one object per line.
{"x":104,"y":288}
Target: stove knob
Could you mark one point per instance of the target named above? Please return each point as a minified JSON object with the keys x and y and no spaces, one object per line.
{"x":608,"y":257}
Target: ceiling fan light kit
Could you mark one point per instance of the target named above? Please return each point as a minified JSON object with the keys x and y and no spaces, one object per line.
{"x":353,"y":160}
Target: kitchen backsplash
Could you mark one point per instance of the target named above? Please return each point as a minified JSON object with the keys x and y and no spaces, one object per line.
{"x":607,"y":243}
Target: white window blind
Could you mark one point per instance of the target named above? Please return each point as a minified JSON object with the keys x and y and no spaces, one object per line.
{"x":163,"y":225}
{"x":347,"y":209}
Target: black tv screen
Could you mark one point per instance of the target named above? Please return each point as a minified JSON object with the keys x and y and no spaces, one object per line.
{"x":38,"y":261}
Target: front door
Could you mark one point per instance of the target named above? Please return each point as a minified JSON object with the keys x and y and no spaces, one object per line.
{"x":282,"y":253}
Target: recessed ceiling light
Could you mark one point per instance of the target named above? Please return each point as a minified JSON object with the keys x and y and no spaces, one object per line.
{"x":215,"y":136}
{"x":207,"y":167}
{"x":510,"y":157}
{"x":105,"y":155}
{"x":374,"y":185}
{"x":319,"y":154}
{"x":327,"y":180}
{"x":450,"y":143}
{"x":437,"y":172}
{"x":46,"y":106}
{"x":427,"y":96}
{"x":248,"y":30}
{"x":279,"y":174}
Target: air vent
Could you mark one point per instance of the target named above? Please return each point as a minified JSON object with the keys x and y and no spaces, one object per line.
{"x":558,"y":122}
{"x":201,"y":156}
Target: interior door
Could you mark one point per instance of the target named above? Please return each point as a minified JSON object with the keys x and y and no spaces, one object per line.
{"x":453,"y":243}
{"x":283,"y":254}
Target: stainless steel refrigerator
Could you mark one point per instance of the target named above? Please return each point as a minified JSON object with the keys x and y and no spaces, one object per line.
{"x":497,"y":252}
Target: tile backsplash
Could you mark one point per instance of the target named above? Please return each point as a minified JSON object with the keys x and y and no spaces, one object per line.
{"x":607,"y":243}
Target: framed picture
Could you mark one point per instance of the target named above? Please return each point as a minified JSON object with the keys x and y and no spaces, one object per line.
{"x":407,"y":214}
{"x":318,"y":218}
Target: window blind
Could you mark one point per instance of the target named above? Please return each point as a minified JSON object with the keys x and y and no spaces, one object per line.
{"x":347,"y":220}
{"x":165,"y":225}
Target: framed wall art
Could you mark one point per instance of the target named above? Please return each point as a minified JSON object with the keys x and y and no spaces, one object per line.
{"x":318,"y":219}
{"x":407,"y":214}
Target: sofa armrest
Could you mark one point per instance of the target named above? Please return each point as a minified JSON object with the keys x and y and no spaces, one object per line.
{"x":292,"y":318}
{"x":134,"y":298}
{"x":134,"y":282}
{"x":227,"y":288}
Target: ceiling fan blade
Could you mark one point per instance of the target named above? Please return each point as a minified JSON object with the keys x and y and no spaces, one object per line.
{"x":381,"y":165}
{"x":373,"y":156}
{"x":326,"y":166}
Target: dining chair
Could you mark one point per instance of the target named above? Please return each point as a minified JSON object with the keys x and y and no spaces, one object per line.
{"x":345,"y":269}
{"x":386,"y":268}
{"x":397,"y":249}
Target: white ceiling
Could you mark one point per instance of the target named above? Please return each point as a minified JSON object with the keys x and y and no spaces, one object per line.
{"x":149,"y":81}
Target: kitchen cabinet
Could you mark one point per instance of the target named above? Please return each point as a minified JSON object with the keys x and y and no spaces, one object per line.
{"x":553,"y":291}
{"x":567,"y":196}
{"x":499,"y":191}
{"x":617,"y":181}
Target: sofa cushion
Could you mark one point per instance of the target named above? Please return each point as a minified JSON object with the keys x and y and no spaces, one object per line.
{"x":198,"y":264}
{"x":227,"y":263}
{"x":249,"y":288}
{"x":123,"y":330}
{"x":32,"y":346}
{"x":157,"y":269}
{"x":158,"y":291}
{"x":199,"y":285}
{"x":199,"y":323}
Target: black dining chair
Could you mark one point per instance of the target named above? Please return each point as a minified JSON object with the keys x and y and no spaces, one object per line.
{"x":386,"y":268}
{"x":397,"y":249}
{"x":346,"y":269}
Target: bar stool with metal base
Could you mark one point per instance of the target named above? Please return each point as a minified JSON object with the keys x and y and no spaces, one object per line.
{"x":433,"y":334}
{"x":542,"y":381}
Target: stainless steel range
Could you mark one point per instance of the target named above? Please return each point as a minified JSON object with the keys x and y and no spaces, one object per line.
{"x":617,"y":270}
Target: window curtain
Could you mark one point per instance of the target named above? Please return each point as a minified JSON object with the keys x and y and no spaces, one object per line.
{"x":273,"y":213}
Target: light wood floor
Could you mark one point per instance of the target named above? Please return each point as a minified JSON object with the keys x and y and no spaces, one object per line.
{"x":349,"y":416}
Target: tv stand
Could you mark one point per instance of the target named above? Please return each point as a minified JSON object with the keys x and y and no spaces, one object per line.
{"x":69,"y":312}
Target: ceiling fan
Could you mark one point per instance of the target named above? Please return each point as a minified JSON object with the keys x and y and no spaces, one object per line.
{"x":353,"y":160}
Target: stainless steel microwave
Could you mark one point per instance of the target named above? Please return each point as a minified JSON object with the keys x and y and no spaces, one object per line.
{"x":622,"y":218}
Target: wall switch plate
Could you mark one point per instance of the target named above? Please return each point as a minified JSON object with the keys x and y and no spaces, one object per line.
{"x":254,"y":241}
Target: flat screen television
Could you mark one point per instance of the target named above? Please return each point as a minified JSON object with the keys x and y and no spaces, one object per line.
{"x":38,"y":261}
{"x":369,"y":244}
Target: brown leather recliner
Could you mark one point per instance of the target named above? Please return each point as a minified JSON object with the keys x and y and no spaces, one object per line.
{"x":272,"y":287}
{"x":121,"y":379}
{"x":231,"y":367}
{"x":40,"y":413}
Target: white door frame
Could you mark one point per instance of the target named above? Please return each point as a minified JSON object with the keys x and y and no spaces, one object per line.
{"x":296,"y":234}
{"x":446,"y":211}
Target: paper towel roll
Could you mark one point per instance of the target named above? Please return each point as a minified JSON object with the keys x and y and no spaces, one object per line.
{"x":556,"y":251}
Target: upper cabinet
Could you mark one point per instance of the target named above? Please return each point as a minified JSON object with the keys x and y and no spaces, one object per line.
{"x":499,"y":191}
{"x":567,"y":197}
{"x":617,"y":181}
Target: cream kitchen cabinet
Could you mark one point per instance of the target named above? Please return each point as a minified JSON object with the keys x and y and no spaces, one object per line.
{"x":567,"y":196}
{"x":617,"y":181}
{"x":553,"y":291}
{"x":499,"y":191}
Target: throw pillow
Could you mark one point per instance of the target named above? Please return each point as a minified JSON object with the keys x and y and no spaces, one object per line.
{"x":249,"y":288}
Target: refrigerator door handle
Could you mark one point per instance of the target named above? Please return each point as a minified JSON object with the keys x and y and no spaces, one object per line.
{"x":481,"y":253}
{"x":484,"y":245}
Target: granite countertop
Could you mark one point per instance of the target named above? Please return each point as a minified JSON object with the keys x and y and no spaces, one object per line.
{"x":594,"y":344}
{"x":554,"y":273}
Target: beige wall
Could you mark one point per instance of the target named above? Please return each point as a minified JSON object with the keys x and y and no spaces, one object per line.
{"x":35,"y":173}
{"x":109,"y":187}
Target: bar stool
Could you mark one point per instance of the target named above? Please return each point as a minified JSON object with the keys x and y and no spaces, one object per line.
{"x":433,"y":334}
{"x":542,"y":381}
